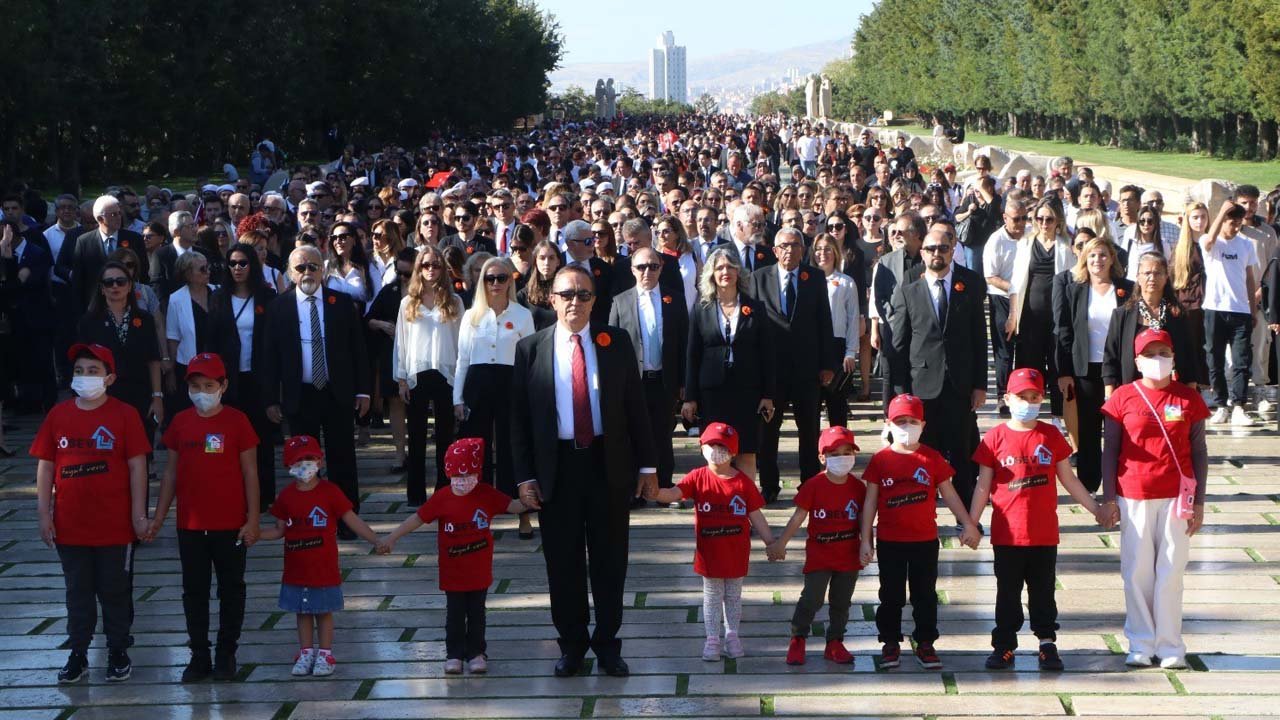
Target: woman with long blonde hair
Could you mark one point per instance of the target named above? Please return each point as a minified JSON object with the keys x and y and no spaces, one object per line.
{"x":424,"y":358}
{"x":1187,"y":275}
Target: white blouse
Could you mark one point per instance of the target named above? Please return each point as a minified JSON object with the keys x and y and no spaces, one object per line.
{"x":380,"y":274}
{"x":492,"y":342}
{"x":351,"y":283}
{"x":845,"y":312}
{"x":689,"y":273}
{"x":180,"y":323}
{"x":1100,"y":307}
{"x":425,"y":344}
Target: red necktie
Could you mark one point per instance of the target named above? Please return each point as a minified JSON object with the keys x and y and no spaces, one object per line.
{"x":583,"y":428}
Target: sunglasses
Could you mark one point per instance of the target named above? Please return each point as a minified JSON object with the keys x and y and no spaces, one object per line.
{"x":238,"y":264}
{"x":1146,"y":221}
{"x":571,"y":295}
{"x":431,"y":266}
{"x":429,"y":222}
{"x":585,"y":241}
{"x":342,"y":236}
{"x":497,"y":279}
{"x":936,"y":249}
{"x":463,"y":218}
{"x":1046,"y":218}
{"x":375,"y":207}
{"x":114,"y":282}
{"x":519,"y":248}
{"x":648,"y":267}
{"x":834,"y":226}
{"x":306,"y":268}
{"x":1019,"y":218}
{"x":872,"y":218}
{"x":557,"y":208}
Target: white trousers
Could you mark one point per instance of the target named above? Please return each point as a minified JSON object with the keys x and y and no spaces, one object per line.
{"x":1153,"y":557}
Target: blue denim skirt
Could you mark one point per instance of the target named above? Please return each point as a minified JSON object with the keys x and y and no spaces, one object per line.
{"x":309,"y":600}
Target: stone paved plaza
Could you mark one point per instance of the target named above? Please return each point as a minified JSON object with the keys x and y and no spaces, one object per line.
{"x":390,"y":640}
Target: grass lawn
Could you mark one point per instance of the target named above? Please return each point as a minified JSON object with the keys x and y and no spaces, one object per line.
{"x":1265,"y":175}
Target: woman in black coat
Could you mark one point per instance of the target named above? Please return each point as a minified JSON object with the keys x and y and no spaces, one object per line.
{"x":730,"y":375}
{"x":381,"y":321}
{"x":237,"y":313}
{"x":1083,"y":300}
{"x":1151,"y":305}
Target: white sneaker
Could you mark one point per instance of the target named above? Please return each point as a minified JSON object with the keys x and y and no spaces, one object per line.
{"x":733,"y":646}
{"x":711,"y":649}
{"x":453,"y":666}
{"x":1265,"y":406}
{"x":1219,"y":416}
{"x":1176,"y":662}
{"x":478,"y":665}
{"x":325,"y":665}
{"x":305,"y":661}
{"x":1240,"y":418}
{"x":1137,"y":659}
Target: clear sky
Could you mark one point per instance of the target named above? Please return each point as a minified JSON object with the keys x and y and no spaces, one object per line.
{"x":624,"y":30}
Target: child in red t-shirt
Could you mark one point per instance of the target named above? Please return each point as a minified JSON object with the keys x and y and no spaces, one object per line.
{"x":903,"y":483}
{"x":832,"y":501}
{"x":91,"y":484}
{"x":1018,"y":463}
{"x":465,"y":514}
{"x":213,"y":470}
{"x":307,"y":515}
{"x":727,"y":504}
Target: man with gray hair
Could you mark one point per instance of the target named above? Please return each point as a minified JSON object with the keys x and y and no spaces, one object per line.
{"x":164,"y":274}
{"x":92,"y":248}
{"x":637,"y":235}
{"x":747,"y":229}
{"x":580,"y":251}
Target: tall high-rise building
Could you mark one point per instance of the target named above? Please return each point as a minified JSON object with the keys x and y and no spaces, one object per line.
{"x":666,"y":71}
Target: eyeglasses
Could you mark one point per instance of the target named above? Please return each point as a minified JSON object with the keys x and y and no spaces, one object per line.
{"x":1146,"y":221}
{"x":430,"y":221}
{"x":585,"y":241}
{"x":936,"y":249}
{"x":111,"y":282}
{"x":306,"y":268}
{"x":379,"y":235}
{"x":557,"y":208}
{"x":500,"y":206}
{"x":1046,"y":219}
{"x":430,"y":265}
{"x":149,"y":236}
{"x":306,"y":213}
{"x":237,"y":264}
{"x":788,"y":246}
{"x":1018,"y":218}
{"x":463,"y":218}
{"x":571,"y":295}
{"x":648,"y":267}
{"x":1151,"y":273}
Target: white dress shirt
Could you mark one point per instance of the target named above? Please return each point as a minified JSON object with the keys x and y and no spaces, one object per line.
{"x":304,"y":329}
{"x":1100,"y":307}
{"x":842,"y":293}
{"x":564,"y":381}
{"x":351,"y":283}
{"x":242,"y":311}
{"x":649,"y":307}
{"x":749,"y":264}
{"x":936,"y":296}
{"x":427,"y":343}
{"x":998,"y":260}
{"x":491,"y":342}
{"x":689,"y":273}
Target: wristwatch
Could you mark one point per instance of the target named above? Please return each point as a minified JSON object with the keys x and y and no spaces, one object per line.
{"x":157,"y":394}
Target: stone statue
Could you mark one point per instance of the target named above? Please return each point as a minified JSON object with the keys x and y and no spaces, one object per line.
{"x":824,"y":97}
{"x":611,"y":100}
{"x":600,"y":99}
{"x":811,"y":96}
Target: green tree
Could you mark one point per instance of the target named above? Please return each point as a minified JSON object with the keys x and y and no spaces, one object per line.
{"x":706,"y":104}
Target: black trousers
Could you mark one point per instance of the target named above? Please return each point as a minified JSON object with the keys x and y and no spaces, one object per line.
{"x":837,"y":401}
{"x":1001,"y":348}
{"x":487,"y":394}
{"x":661,"y":404}
{"x":951,"y":428}
{"x":323,"y":417}
{"x":1035,"y":567}
{"x":839,"y":598}
{"x":98,"y":575}
{"x":432,"y":391}
{"x":33,"y":368}
{"x":586,"y":517}
{"x":1089,"y":392}
{"x":904,"y":564}
{"x":249,"y":400}
{"x":464,"y":624}
{"x":1220,"y":330}
{"x":801,"y":395}
{"x":1036,"y":351}
{"x":200,"y":552}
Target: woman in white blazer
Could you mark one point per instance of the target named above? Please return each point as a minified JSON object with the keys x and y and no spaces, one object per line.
{"x":187,"y":320}
{"x":846,"y":323}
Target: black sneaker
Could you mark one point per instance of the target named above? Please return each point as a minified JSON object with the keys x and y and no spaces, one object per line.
{"x":1000,"y":660}
{"x":889,"y":655}
{"x":119,"y":668}
{"x":1049,"y":657}
{"x":77,"y":665}
{"x":224,"y":666}
{"x":199,"y":668}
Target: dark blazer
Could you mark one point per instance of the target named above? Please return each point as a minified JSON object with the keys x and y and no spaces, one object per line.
{"x":477,"y":243}
{"x":603,"y":279}
{"x":763,"y":259}
{"x":33,"y":299}
{"x":754,"y":357}
{"x":669,"y":278}
{"x":66,"y":253}
{"x":926,"y":356}
{"x":675,"y":332}
{"x":805,"y":343}
{"x":1071,"y":320}
{"x":224,"y":339}
{"x":628,"y":442}
{"x":88,"y":256}
{"x":1117,"y":359}
{"x":140,"y":348}
{"x":344,"y":343}
{"x":164,"y":274}
{"x":543,"y":317}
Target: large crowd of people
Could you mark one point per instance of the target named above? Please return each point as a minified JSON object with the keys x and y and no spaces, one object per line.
{"x":548,"y":310}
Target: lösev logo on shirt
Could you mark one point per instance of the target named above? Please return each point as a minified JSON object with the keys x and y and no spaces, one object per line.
{"x":910,"y":498}
{"x":850,"y":512}
{"x":735,"y":506}
{"x":214,"y":443}
{"x":1028,"y":482}
{"x":1041,"y":456}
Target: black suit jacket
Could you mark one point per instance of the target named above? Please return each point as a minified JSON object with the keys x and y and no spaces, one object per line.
{"x":754,"y":357}
{"x":603,"y":280}
{"x":764,"y":256}
{"x":88,"y":256}
{"x":1071,"y":321}
{"x":1117,"y":358}
{"x":477,"y":243}
{"x":344,"y":345}
{"x":628,"y":442}
{"x":224,"y":339}
{"x":804,"y":343}
{"x":164,"y":274}
{"x":924,"y":354}
{"x":675,"y":333}
{"x":33,"y":299}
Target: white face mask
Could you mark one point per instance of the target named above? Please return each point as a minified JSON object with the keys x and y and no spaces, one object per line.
{"x":716,"y":454}
{"x":463,"y":485}
{"x":1023,"y":411}
{"x":840,"y":465}
{"x":905,"y":434}
{"x":1154,"y":368}
{"x":204,"y":402}
{"x":89,"y":387}
{"x":304,"y":470}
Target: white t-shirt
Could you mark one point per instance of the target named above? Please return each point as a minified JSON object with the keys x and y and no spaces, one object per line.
{"x":1225,"y":267}
{"x":807,"y":149}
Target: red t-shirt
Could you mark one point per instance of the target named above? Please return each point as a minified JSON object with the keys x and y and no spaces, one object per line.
{"x":463,"y":536}
{"x":90,"y":451}
{"x":907,"y":507}
{"x":1024,"y":490}
{"x":721,"y":507}
{"x":1146,"y":470}
{"x":210,"y":487}
{"x":311,"y":533}
{"x":834,"y":522}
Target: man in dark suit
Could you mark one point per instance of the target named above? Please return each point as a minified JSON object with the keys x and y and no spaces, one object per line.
{"x":28,"y":266}
{"x":316,"y":381}
{"x":796,"y":296}
{"x":747,"y":226}
{"x":465,"y":218}
{"x":164,"y":261}
{"x":939,"y":337}
{"x":582,"y":469}
{"x":580,"y":252}
{"x":636,"y":234}
{"x":896,"y":268}
{"x":92,"y":248}
{"x":658,"y":324}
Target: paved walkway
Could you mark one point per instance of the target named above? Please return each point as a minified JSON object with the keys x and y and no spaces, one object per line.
{"x":390,"y":639}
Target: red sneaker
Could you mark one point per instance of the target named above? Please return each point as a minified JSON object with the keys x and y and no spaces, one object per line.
{"x":927,"y":657}
{"x":837,"y":653}
{"x":795,"y":651}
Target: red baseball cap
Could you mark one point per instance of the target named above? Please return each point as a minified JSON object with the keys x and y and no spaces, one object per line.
{"x":1147,"y":337}
{"x":718,"y":433}
{"x":99,"y":352}
{"x":464,"y":457}
{"x":1026,"y":379}
{"x":909,"y":405}
{"x":208,"y":365}
{"x":301,"y":447}
{"x":835,"y":436}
